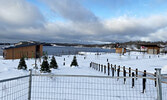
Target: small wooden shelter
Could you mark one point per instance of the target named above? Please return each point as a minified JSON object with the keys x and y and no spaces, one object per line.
{"x":23,"y":49}
{"x":152,"y":49}
{"x":120,"y":50}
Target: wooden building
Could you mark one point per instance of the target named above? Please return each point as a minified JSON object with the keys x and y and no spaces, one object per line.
{"x":23,"y":49}
{"x":120,"y":50}
{"x":152,"y":49}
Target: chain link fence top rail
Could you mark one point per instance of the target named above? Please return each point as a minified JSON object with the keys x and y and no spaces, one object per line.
{"x":14,"y":88}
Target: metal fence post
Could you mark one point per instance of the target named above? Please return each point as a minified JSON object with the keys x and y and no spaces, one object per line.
{"x":158,"y":80}
{"x":30,"y":82}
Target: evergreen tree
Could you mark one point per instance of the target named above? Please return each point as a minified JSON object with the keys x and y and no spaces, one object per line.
{"x":53,"y":63}
{"x":45,"y":65}
{"x":45,"y":57}
{"x":74,"y":62}
{"x":22,"y":64}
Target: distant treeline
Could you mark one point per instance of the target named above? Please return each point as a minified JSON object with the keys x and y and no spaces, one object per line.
{"x":74,"y":44}
{"x":111,"y":45}
{"x":137,"y":44}
{"x":5,"y":43}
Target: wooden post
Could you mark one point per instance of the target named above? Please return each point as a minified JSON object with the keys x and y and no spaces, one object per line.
{"x":112,"y":69}
{"x":144,"y":81}
{"x":101,"y":68}
{"x":136,"y":73}
{"x":133,"y":79}
{"x":124,"y":72}
{"x":108,"y":69}
{"x":118,"y":70}
{"x":96,"y":66}
{"x":115,"y":67}
{"x":104,"y":69}
{"x":91,"y":64}
{"x":123,"y":68}
{"x":129,"y":71}
{"x":155,"y":79}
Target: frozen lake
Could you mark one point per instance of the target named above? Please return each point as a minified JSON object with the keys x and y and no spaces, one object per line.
{"x":64,"y":50}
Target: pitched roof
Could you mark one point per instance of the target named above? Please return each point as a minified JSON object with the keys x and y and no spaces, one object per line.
{"x":151,"y":45}
{"x":21,"y":44}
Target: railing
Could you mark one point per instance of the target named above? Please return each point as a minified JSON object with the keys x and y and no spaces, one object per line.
{"x":82,"y":87}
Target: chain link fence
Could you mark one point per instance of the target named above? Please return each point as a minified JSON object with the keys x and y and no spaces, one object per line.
{"x":164,"y":87}
{"x":82,"y":87}
{"x":70,"y":87}
{"x":14,"y":88}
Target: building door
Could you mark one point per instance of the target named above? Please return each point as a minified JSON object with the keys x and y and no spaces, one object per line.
{"x":37,"y":51}
{"x":150,"y":51}
{"x":155,"y":51}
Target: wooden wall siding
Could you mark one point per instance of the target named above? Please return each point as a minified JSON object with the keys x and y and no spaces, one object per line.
{"x":41,"y":50}
{"x":17,"y":53}
{"x":154,"y":49}
{"x":119,"y":50}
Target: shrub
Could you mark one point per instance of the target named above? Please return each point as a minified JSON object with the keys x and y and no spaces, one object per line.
{"x":45,"y":65}
{"x":74,"y":62}
{"x":53,"y":63}
{"x":22,"y":64}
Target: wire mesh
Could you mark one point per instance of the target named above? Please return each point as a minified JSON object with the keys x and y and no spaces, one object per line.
{"x":14,"y":88}
{"x":80,"y":87}
{"x":164,"y":88}
{"x":70,"y":87}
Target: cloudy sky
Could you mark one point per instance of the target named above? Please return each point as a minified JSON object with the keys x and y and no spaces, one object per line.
{"x":83,"y":21}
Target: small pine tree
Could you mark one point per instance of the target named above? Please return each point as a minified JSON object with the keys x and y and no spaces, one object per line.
{"x":22,"y":64}
{"x":45,"y":65}
{"x":74,"y":62}
{"x":53,"y":63}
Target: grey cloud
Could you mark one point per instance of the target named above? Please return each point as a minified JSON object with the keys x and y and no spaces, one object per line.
{"x":19,"y":13}
{"x":71,"y":10}
{"x":27,"y":23}
{"x":111,"y":30}
{"x":135,"y":27}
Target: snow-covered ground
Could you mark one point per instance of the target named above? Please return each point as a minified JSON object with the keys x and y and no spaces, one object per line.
{"x":80,"y":88}
{"x":8,"y":68}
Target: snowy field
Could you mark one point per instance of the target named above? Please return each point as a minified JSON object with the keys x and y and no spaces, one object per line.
{"x":8,"y":68}
{"x":82,"y":87}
